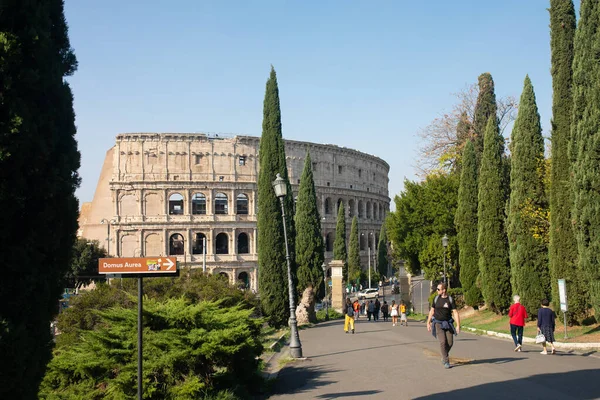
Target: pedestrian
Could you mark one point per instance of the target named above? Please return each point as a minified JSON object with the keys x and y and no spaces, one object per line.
{"x":370,"y":309}
{"x":394,"y":313}
{"x":440,"y":322}
{"x":349,"y":321}
{"x":385,"y":311}
{"x":546,"y":324}
{"x":517,"y":314}
{"x":377,"y":308}
{"x":403,"y":313}
{"x":356,"y":307}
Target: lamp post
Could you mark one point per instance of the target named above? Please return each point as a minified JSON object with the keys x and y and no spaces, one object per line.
{"x":324,"y":266}
{"x":280,"y":187}
{"x":445,"y":244}
{"x":108,"y":224}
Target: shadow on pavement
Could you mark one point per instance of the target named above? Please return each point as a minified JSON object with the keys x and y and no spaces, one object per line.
{"x":348,"y":394}
{"x":301,"y":377}
{"x":364,"y":349}
{"x":503,"y":360}
{"x":567,"y":385}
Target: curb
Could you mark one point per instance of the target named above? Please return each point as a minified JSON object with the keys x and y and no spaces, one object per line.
{"x":273,"y":373}
{"x":558,"y":345}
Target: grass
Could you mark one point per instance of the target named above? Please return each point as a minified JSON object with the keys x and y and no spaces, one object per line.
{"x":487,"y":320}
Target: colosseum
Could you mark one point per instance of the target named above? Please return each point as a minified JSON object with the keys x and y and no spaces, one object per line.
{"x":194,"y":196}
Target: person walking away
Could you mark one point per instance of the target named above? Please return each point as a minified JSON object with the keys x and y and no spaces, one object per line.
{"x":394,"y":313}
{"x":349,"y":321}
{"x":517,"y":315}
{"x":370,"y":309}
{"x":546,"y":324}
{"x":403,"y":313}
{"x":376,"y":310}
{"x":440,"y":322}
{"x":356,"y":307}
{"x":385,"y":311}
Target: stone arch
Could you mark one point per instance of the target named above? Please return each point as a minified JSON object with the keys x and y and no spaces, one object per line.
{"x":198,"y":245}
{"x":176,"y":204}
{"x":222,"y":243}
{"x":243,"y":243}
{"x":368,"y":210}
{"x":198,"y":204}
{"x":129,"y":244}
{"x":128,"y":205}
{"x":153,"y":204}
{"x":241,"y":204}
{"x":328,"y":206}
{"x":329,"y":239}
{"x":361,"y":211}
{"x":153,"y":246}
{"x":351,"y":208}
{"x":176,"y":244}
{"x":221,"y":204}
{"x":244,"y":280}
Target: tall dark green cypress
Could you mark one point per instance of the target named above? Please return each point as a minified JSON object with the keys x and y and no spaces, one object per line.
{"x":530,"y":277}
{"x":382,"y":253}
{"x":38,"y":178}
{"x":309,"y":238}
{"x":339,"y":245}
{"x":466,"y":225}
{"x":485,"y":107}
{"x":272,"y":267}
{"x":354,"y":267}
{"x":563,"y":246}
{"x":492,"y":243}
{"x":584,"y":147}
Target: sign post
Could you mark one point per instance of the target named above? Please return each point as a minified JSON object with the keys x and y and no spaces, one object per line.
{"x":139,"y":267}
{"x":562,"y":295}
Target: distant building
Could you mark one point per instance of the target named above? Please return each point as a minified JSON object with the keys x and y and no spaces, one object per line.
{"x":168,"y":194}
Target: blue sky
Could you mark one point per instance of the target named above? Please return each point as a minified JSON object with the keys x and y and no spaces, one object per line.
{"x":364,"y":75}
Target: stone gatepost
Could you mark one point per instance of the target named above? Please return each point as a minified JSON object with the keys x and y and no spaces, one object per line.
{"x":338,"y":294}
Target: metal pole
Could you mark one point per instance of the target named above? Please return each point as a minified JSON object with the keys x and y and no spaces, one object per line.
{"x":140,"y":330}
{"x":204,"y":254}
{"x":565,"y":319}
{"x":326,"y":300}
{"x":369,"y":257}
{"x":444,"y":264}
{"x":295,"y":345}
{"x":421,"y":297}
{"x":108,"y":238}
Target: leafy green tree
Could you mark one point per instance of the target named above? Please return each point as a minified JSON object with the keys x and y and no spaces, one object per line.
{"x":528,"y":249}
{"x":563,"y":245}
{"x":39,"y":161}
{"x":339,"y":244}
{"x":466,"y":226}
{"x":309,"y":238}
{"x":191,"y":350}
{"x":354,"y":267}
{"x":492,"y":243}
{"x":583,"y":147}
{"x":84,"y":263}
{"x":485,"y":107}
{"x":272,"y":266}
{"x":382,"y":253}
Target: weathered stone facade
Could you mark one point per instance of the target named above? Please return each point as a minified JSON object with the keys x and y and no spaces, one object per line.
{"x":164,"y":194}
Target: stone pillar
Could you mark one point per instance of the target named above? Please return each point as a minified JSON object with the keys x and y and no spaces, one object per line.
{"x":338,"y":295}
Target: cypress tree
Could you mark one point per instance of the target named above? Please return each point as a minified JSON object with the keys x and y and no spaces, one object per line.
{"x":38,"y":178}
{"x":563,"y":246}
{"x":382,"y":254}
{"x":466,"y":226}
{"x":528,"y":251}
{"x":272,"y":266}
{"x":492,"y":244}
{"x":339,"y":245}
{"x":309,"y":239}
{"x":354,"y":267}
{"x":584,"y":147}
{"x":485,"y":107}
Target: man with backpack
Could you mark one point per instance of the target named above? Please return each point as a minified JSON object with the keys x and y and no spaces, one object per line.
{"x":440,"y":322}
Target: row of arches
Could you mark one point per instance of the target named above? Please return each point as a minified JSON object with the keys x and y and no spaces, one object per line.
{"x":358,"y":208}
{"x":198,"y":204}
{"x":221,"y":245}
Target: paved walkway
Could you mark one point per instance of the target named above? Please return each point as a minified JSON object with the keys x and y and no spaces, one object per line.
{"x":384,"y":362}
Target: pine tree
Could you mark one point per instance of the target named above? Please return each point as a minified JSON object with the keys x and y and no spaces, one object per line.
{"x":272,"y":266}
{"x":339,"y":245}
{"x":583,"y":147}
{"x":466,"y":226}
{"x":492,"y":244}
{"x":382,"y":254}
{"x":354,"y":267}
{"x":484,"y":109}
{"x":528,"y":251}
{"x":309,"y":239}
{"x":563,"y":246}
{"x":38,"y":178}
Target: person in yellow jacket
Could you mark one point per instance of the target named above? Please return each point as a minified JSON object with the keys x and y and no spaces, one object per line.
{"x":349,"y":311}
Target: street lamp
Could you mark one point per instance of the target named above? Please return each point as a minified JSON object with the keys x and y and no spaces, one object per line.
{"x":108,"y":224}
{"x":280,"y":187}
{"x":324,"y":266}
{"x":445,"y":244}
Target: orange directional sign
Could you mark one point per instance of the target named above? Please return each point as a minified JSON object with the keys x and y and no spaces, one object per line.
{"x":136,"y":265}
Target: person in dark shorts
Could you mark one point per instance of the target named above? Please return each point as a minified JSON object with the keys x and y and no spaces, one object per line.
{"x":440,"y":321}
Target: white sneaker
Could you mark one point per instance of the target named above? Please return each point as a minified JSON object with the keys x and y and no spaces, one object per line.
{"x":543,"y":352}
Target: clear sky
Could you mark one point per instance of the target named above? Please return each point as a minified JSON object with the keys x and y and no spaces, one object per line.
{"x":361,"y":74}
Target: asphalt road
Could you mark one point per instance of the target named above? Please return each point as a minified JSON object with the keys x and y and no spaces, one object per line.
{"x":385,"y":362}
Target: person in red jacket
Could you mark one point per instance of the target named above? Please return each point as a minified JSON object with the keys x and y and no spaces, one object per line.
{"x":517,"y":314}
